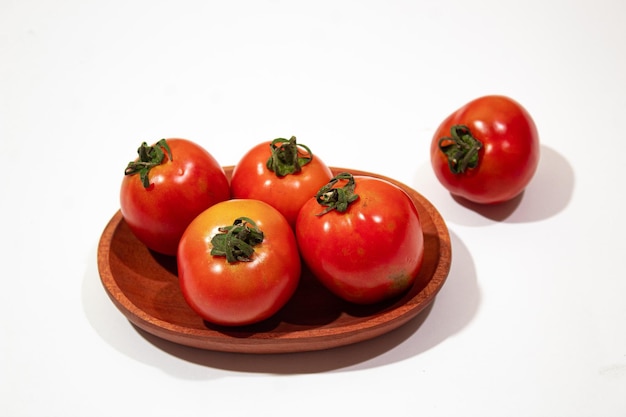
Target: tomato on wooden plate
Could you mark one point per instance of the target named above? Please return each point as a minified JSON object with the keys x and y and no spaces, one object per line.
{"x":362,"y":238}
{"x":282,"y":173}
{"x":166,"y":187}
{"x":487,"y":151}
{"x":238,"y":262}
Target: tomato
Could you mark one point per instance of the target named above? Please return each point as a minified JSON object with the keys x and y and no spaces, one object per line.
{"x":364,"y":240}
{"x":282,"y":173}
{"x":169,"y":184}
{"x":487,"y":151}
{"x":231,"y":283}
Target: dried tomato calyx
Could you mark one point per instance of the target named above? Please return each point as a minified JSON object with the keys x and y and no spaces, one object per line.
{"x":335,"y":198}
{"x":237,"y":242}
{"x":149,"y":157}
{"x":287,"y":156}
{"x":461,"y":148}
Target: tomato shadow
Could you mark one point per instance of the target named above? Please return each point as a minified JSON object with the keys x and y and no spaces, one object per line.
{"x":169,"y":263}
{"x":312,"y":305}
{"x":548,"y":194}
{"x":496,"y":212}
{"x":450,"y":312}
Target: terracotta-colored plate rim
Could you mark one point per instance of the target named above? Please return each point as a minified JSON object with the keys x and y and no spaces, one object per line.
{"x":144,"y":287}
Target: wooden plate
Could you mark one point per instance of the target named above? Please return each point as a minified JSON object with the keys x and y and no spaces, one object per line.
{"x":144,"y":287}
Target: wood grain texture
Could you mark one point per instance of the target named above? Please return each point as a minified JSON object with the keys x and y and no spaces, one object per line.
{"x":143,"y":285}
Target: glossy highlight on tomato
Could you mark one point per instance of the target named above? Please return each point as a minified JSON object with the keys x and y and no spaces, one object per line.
{"x":487,"y":151}
{"x":365,"y":246}
{"x":166,"y":187}
{"x":257,"y":281}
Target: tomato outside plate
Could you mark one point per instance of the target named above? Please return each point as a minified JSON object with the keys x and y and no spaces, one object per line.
{"x":487,"y":151}
{"x":166,"y":187}
{"x":242,"y":275}
{"x":362,"y":238}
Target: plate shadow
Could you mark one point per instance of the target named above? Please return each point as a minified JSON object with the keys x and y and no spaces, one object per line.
{"x":452,"y":310}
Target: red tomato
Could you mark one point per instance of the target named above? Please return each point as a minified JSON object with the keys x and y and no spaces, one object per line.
{"x":365,"y":247}
{"x":487,"y":151}
{"x":282,"y":173}
{"x":169,"y":184}
{"x":231,"y":283}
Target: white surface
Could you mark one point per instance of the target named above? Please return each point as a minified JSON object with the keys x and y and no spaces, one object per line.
{"x":532,"y":321}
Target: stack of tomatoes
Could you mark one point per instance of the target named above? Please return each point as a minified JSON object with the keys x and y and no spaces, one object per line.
{"x":241,"y":242}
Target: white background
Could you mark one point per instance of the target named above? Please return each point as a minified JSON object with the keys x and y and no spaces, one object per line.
{"x":532,"y":319}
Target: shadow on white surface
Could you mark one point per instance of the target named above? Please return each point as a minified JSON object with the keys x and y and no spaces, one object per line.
{"x":549,"y":193}
{"x":453,"y":308}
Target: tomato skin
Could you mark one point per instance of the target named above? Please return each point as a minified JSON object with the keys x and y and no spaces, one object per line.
{"x":509,"y":156}
{"x":251,"y":179}
{"x":369,"y":253}
{"x":240,"y":293}
{"x":179,"y":190}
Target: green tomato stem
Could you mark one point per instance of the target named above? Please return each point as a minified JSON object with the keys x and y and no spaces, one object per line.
{"x":286,"y":157}
{"x":237,"y":242}
{"x":461,"y":149}
{"x":335,"y":198}
{"x":149,"y":157}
